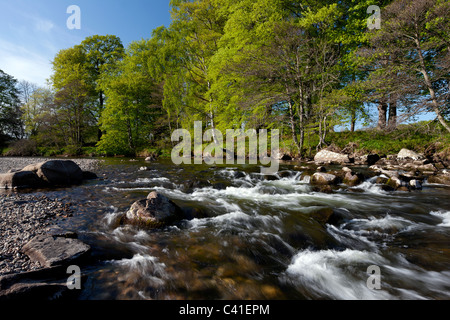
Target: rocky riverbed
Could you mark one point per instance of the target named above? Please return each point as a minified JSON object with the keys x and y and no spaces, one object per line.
{"x":24,"y":216}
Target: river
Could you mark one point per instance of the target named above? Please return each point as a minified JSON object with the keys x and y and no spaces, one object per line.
{"x":257,"y":237}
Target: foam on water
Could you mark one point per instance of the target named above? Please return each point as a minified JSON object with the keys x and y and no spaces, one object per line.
{"x":146,"y":266}
{"x":331,"y":273}
{"x":444,"y":215}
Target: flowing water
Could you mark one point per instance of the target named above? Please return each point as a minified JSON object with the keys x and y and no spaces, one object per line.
{"x":258,"y":237}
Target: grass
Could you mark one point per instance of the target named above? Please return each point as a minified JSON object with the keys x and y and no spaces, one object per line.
{"x":420,"y":137}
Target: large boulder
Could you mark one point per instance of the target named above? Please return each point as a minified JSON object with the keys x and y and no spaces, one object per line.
{"x":157,"y":211}
{"x":57,"y":172}
{"x":20,"y":179}
{"x":329,"y":157}
{"x":406,"y":154}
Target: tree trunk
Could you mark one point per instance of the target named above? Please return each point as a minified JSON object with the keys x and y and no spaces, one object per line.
{"x":353,"y":121}
{"x":435,"y":104}
{"x":102,"y":102}
{"x":292,"y":124}
{"x":392,"y":123}
{"x":382,"y":115}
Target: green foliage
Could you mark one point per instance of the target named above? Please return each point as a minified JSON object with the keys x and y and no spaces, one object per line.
{"x":301,"y":67}
{"x":10,"y":112}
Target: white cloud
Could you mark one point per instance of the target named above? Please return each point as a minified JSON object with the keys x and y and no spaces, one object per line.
{"x":23,"y":64}
{"x":44,"y":25}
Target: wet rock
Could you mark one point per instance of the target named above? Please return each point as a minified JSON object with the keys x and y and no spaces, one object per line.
{"x":394,"y":183}
{"x":52,"y":251}
{"x":415,"y":184}
{"x":405,"y":154}
{"x":321,"y":178}
{"x":87,"y":175}
{"x":19,"y":180}
{"x":47,"y":284}
{"x":323,"y":189}
{"x":157,"y":211}
{"x":323,"y":216}
{"x":329,"y":157}
{"x":353,"y":179}
{"x":369,"y":159}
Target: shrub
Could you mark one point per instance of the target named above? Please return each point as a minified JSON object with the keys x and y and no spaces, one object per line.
{"x":22,"y":148}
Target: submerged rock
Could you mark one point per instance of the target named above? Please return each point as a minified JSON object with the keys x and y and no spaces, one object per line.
{"x":157,"y":211}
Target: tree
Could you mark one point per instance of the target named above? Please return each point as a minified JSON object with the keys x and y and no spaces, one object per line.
{"x":284,"y":59}
{"x":38,"y":102}
{"x":101,"y":55}
{"x":134,"y":107}
{"x":83,"y":66}
{"x":10,"y":112}
{"x":414,"y":39}
{"x":194,"y":35}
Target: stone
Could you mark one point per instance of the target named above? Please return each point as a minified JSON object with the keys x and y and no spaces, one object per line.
{"x":157,"y":211}
{"x":368,"y":159}
{"x":87,"y":175}
{"x":427,"y":167}
{"x":322,"y":178}
{"x":41,"y":285}
{"x":405,"y":154}
{"x":283,"y":156}
{"x":394,"y":183}
{"x":352,"y":179}
{"x":441,"y":178}
{"x":52,"y":251}
{"x":20,"y":179}
{"x":415,"y":184}
{"x":57,"y":172}
{"x":329,"y":157}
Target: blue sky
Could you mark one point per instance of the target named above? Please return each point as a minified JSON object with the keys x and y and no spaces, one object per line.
{"x":32,"y":32}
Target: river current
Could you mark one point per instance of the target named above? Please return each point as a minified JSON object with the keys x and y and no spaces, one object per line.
{"x":260,"y":237}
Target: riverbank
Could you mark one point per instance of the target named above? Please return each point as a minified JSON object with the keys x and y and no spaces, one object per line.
{"x":24,"y":216}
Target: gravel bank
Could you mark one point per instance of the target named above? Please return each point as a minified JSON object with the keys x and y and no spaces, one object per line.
{"x":22,"y":217}
{"x":7,"y":164}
